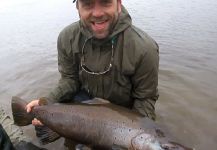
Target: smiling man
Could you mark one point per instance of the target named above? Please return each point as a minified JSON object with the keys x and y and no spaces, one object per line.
{"x":104,"y":55}
{"x":99,"y":17}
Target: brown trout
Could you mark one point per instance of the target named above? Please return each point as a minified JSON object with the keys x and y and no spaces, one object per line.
{"x":103,"y":126}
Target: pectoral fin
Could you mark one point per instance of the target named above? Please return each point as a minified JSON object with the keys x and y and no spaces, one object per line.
{"x":46,"y":135}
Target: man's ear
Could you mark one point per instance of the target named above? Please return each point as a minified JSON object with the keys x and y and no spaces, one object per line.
{"x":119,"y":3}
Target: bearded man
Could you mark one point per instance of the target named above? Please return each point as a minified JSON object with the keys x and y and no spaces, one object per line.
{"x":103,"y":55}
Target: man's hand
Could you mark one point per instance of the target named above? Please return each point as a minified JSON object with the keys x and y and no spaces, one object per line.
{"x":29,"y":107}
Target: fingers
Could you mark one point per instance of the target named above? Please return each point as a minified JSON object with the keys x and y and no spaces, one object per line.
{"x":30,"y":105}
{"x":36,"y":122}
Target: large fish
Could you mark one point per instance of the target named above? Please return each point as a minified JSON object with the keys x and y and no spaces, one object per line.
{"x":103,"y":126}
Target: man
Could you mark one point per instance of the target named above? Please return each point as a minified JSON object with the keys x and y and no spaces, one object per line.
{"x":104,"y":55}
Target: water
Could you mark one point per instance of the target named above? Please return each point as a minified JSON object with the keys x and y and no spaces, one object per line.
{"x":186,"y":31}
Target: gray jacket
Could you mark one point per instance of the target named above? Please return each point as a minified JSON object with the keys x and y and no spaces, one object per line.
{"x":133,"y":78}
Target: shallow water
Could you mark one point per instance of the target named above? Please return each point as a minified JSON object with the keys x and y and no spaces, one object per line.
{"x":186,"y":31}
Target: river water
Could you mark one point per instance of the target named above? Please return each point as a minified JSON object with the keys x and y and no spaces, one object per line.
{"x":186,"y":31}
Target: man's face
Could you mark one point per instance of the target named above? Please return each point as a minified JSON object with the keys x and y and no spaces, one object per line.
{"x":99,"y":16}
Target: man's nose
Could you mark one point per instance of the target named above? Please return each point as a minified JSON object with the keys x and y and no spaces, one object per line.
{"x":97,"y":10}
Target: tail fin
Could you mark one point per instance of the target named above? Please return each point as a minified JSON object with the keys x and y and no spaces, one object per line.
{"x":21,"y":117}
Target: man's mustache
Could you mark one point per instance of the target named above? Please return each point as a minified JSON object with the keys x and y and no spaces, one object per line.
{"x":99,"y":19}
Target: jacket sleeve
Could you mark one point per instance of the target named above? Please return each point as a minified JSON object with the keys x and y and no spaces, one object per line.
{"x":68,"y":67}
{"x":145,"y":82}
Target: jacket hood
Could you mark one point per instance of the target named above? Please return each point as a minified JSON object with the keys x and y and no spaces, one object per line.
{"x":124,"y":21}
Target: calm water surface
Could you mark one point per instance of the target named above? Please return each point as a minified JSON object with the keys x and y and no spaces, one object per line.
{"x":186,"y":31}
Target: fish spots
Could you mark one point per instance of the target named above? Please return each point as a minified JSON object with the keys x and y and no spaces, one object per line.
{"x":41,"y":112}
{"x":129,"y":130}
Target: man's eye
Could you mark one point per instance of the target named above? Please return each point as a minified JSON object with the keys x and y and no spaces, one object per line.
{"x":90,"y":4}
{"x":86,"y":3}
{"x":106,"y":2}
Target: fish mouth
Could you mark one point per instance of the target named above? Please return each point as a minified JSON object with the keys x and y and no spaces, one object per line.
{"x":169,"y":146}
{"x":174,"y":146}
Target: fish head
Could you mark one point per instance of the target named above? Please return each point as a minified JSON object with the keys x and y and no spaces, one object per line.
{"x":145,"y":141}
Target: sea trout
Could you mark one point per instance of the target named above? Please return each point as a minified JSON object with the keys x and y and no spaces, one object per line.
{"x":101,"y":125}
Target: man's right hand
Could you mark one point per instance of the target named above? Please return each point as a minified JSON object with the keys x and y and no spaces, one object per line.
{"x":29,"y":107}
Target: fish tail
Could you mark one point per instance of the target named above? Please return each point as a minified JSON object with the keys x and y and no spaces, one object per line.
{"x":46,"y":135}
{"x":20,"y":115}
